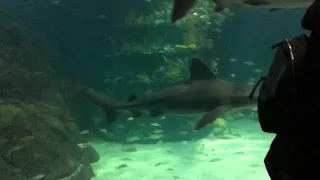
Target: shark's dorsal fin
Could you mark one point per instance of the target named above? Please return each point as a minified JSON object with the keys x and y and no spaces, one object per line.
{"x":132,"y":98}
{"x":199,"y":71}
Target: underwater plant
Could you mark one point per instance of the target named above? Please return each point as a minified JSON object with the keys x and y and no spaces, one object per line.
{"x":143,"y":78}
{"x":193,"y":29}
{"x":175,"y":69}
{"x":220,"y":127}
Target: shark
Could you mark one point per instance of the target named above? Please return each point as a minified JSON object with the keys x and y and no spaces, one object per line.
{"x":203,"y":94}
{"x":182,"y":7}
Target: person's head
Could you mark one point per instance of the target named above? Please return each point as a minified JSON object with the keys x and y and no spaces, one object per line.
{"x":311,"y":19}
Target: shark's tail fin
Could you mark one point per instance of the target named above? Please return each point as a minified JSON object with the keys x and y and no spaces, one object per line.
{"x":107,"y":104}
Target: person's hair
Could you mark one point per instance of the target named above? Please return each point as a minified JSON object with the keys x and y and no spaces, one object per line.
{"x":311,"y":19}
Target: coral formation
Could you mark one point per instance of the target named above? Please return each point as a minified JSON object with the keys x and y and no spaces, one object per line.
{"x":175,"y":70}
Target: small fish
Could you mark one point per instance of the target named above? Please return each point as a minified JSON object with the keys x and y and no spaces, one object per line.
{"x":16,"y":148}
{"x":27,"y":138}
{"x":217,"y":30}
{"x":83,"y":145}
{"x":55,"y":2}
{"x":233,"y":60}
{"x":163,"y":117}
{"x":257,"y":70}
{"x":232,"y":75}
{"x":37,"y":177}
{"x":130,"y":118}
{"x":104,"y":130}
{"x":102,"y":16}
{"x":120,"y":126}
{"x":155,"y":124}
{"x":249,"y":63}
{"x":183,"y":133}
{"x":129,"y":149}
{"x":84,"y":132}
{"x":118,"y":79}
{"x":132,"y":139}
{"x":156,"y":136}
{"x":158,"y":164}
{"x":157,"y":131}
{"x":121,"y":166}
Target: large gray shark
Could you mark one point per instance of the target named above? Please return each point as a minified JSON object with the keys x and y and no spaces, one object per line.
{"x":182,"y":7}
{"x":203,"y":94}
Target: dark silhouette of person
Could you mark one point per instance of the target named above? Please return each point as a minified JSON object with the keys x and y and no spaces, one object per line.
{"x":295,"y":152}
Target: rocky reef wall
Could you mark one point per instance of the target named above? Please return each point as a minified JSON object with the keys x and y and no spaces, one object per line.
{"x":38,"y":137}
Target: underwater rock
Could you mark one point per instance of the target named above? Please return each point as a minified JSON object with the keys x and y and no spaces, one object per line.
{"x":37,"y":144}
{"x":38,"y":137}
{"x":90,"y":154}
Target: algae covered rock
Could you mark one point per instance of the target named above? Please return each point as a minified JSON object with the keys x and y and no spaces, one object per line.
{"x":90,"y":154}
{"x":38,"y":139}
{"x":7,"y":113}
{"x":34,"y":146}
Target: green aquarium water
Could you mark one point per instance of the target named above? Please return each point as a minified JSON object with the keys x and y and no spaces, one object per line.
{"x":113,"y":90}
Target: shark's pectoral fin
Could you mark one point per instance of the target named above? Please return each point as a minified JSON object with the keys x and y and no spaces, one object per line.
{"x":111,"y":115}
{"x":155,"y":112}
{"x":136,"y":113}
{"x":211,"y":116}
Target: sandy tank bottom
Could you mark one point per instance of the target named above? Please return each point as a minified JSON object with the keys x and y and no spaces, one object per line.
{"x":236,"y":158}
